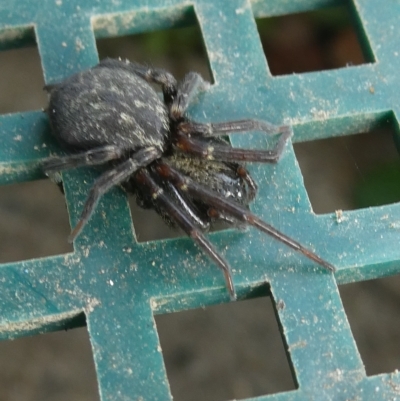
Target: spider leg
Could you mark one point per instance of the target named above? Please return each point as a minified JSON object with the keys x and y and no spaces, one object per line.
{"x":229,"y":127}
{"x":226,"y":152}
{"x":144,"y":178}
{"x":153,"y":75}
{"x":50,"y":87}
{"x":247,"y":178}
{"x":110,"y":178}
{"x":238,"y":212}
{"x":187,"y":88}
{"x":188,"y":208}
{"x":218,"y":151}
{"x":90,"y":157}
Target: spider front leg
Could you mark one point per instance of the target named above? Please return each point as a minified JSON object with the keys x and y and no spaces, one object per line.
{"x":236,"y":126}
{"x":144,"y":179}
{"x":187,"y":88}
{"x":203,"y":148}
{"x":198,"y":145}
{"x":176,"y":97}
{"x":214,"y":200}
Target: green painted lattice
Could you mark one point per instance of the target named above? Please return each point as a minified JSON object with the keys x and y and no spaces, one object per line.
{"x":119,"y":284}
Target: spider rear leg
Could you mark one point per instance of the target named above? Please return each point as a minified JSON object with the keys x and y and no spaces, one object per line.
{"x":144,"y":179}
{"x":187,"y":206}
{"x":109,"y":179}
{"x":214,"y":200}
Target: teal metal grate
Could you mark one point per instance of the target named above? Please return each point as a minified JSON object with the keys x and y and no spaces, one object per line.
{"x":119,"y":284}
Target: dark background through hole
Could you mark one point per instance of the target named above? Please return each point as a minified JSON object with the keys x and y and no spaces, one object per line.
{"x":225,"y":371}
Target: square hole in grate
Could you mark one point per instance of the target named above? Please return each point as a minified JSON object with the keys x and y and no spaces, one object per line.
{"x":55,"y":366}
{"x":313,"y":41}
{"x":179,"y":50}
{"x":372,"y":308}
{"x":34,"y":221}
{"x":21,"y":84}
{"x":351,"y":172}
{"x":229,"y":351}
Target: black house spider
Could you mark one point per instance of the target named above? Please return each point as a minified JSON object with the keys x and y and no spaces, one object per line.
{"x":183,"y":169}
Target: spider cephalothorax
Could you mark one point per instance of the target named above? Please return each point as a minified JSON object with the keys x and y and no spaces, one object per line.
{"x":183,"y":169}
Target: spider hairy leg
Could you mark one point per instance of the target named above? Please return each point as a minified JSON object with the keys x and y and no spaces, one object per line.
{"x":240,"y":213}
{"x":221,"y":152}
{"x":235,"y":126}
{"x":182,"y":220}
{"x":200,"y":146}
{"x":188,"y":209}
{"x":109,"y":179}
{"x":91,"y":157}
{"x":190,"y":84}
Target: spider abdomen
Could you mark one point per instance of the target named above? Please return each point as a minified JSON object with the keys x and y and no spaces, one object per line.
{"x":104,"y":106}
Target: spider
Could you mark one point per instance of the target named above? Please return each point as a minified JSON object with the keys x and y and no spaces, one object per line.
{"x":185,"y":170}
